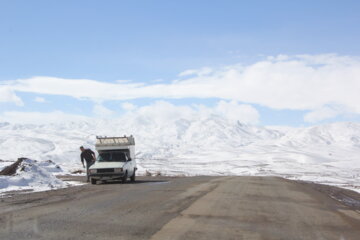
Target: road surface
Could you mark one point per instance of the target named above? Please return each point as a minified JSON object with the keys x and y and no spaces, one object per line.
{"x":181,"y":208}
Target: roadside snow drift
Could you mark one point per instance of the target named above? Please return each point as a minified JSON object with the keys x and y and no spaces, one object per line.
{"x":201,"y":146}
{"x":30,"y":175}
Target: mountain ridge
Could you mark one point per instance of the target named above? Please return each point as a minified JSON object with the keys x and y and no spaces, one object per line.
{"x":207,"y":146}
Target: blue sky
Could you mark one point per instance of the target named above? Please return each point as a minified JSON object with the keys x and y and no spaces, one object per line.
{"x":151,"y":42}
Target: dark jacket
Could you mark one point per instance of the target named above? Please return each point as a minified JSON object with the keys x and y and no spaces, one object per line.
{"x":87,"y":154}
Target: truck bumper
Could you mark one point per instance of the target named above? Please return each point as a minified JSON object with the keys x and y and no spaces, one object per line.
{"x":107,"y":176}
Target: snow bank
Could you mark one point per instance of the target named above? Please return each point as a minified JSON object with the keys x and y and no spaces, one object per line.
{"x":32,"y":175}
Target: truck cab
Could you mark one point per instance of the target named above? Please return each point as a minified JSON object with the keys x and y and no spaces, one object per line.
{"x":115,"y":161}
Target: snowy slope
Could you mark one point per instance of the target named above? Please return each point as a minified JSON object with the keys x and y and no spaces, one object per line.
{"x":204,"y":146}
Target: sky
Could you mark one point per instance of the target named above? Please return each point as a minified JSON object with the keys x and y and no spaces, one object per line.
{"x":294,"y":63}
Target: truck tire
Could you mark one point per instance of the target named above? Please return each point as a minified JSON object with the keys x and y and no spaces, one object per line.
{"x":132,"y":178}
{"x":124,"y":178}
{"x":93,"y":181}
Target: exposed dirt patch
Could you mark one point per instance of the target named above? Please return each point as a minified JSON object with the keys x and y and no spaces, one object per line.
{"x":78,"y":172}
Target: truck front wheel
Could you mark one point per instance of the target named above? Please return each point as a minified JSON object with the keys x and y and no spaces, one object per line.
{"x":132,"y":178}
{"x":93,"y":181}
{"x":123,"y":179}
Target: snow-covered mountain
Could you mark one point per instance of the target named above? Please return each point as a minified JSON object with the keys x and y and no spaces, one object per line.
{"x":206,"y":146}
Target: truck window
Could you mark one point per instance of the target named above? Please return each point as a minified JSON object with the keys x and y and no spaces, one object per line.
{"x":112,"y":157}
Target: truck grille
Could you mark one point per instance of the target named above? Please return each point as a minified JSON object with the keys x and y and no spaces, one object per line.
{"x":105,"y":170}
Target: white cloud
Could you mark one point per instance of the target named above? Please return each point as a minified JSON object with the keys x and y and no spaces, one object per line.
{"x":326,"y":112}
{"x":128,"y":106}
{"x":40,"y":117}
{"x":162,"y":112}
{"x":199,"y":72}
{"x":234,"y":111}
{"x":159,"y":112}
{"x":39,"y":100}
{"x":101,"y":111}
{"x":303,"y":82}
{"x":8,"y":95}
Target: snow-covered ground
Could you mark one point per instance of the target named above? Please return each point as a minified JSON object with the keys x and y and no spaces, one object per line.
{"x":204,"y":146}
{"x":32,"y":175}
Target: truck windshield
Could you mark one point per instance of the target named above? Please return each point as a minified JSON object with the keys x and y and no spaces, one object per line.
{"x":112,"y":157}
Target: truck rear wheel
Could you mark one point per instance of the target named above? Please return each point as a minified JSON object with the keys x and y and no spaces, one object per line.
{"x":132,"y":178}
{"x":124,"y":178}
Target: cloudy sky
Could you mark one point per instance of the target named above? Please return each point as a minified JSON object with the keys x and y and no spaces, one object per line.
{"x":293,"y":63}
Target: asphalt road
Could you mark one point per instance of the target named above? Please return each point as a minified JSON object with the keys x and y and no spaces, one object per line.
{"x":181,"y":208}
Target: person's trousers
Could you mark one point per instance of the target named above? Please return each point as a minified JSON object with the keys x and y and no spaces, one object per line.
{"x":88,"y":165}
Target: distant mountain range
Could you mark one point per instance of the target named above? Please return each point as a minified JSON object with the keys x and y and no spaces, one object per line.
{"x":210,"y":146}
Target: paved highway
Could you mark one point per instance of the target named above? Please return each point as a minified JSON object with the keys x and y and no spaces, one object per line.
{"x":181,"y":208}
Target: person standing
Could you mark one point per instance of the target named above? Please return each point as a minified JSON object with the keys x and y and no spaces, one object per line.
{"x":89,"y":156}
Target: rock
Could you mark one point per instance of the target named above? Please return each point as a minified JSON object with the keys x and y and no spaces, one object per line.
{"x":11,"y":169}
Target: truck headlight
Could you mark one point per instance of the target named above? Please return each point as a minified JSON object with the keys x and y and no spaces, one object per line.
{"x":118,"y":170}
{"x":93,"y":171}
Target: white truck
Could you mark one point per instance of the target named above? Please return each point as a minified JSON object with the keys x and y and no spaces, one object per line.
{"x":116,"y":159}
